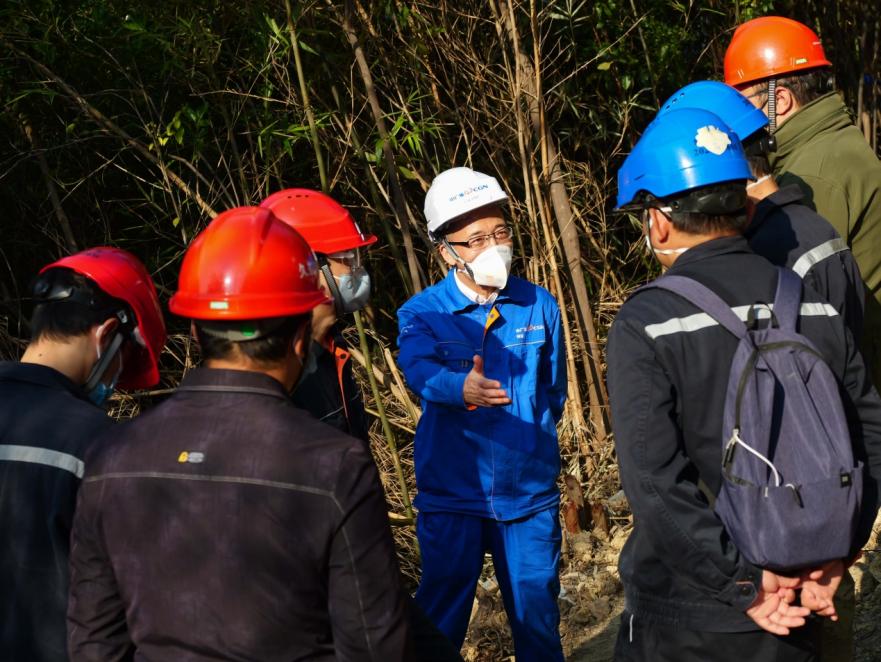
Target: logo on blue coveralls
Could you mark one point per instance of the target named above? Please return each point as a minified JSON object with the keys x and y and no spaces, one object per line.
{"x":521,"y":332}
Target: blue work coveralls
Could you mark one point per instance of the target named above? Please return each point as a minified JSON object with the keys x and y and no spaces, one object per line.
{"x":486,"y":476}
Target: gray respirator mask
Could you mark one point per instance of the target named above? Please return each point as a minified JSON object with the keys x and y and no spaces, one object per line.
{"x":351,"y":291}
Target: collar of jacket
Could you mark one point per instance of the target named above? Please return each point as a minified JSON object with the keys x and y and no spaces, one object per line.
{"x":710,"y":249}
{"x":828,"y":113}
{"x":247,"y":379}
{"x":33,"y":373}
{"x":457,"y":302}
{"x":333,"y":339}
{"x":785,"y":196}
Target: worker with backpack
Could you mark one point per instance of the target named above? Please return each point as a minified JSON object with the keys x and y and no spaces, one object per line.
{"x":747,"y":430}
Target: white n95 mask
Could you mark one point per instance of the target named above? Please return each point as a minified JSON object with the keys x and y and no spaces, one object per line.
{"x":492,"y":266}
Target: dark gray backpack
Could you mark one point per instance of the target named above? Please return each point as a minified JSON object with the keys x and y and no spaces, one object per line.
{"x":791,"y":490}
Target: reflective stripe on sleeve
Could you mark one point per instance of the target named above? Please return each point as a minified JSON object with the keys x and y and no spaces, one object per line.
{"x":817,"y":254}
{"x":44,"y":456}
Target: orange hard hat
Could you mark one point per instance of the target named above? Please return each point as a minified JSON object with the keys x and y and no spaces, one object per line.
{"x":121,"y":275}
{"x":771,"y":46}
{"x":247,"y":265}
{"x":322,"y":221}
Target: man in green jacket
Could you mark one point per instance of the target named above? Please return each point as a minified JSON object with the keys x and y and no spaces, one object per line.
{"x":779,"y":64}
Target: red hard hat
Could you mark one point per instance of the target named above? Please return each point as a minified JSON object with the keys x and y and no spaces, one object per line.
{"x":771,"y":46}
{"x":121,"y":275}
{"x":247,"y":265}
{"x":322,"y":221}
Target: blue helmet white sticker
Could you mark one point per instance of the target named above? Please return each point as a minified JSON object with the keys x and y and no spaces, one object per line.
{"x":712,"y":139}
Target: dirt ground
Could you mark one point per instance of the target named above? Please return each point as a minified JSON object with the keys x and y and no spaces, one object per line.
{"x":591,"y":602}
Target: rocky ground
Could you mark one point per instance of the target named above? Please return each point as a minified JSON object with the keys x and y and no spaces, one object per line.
{"x":591,"y":602}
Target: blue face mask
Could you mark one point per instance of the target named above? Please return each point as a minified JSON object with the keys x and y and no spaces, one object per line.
{"x":101,"y":391}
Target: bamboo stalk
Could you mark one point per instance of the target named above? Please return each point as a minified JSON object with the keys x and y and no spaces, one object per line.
{"x":394,"y":387}
{"x":412,"y":409}
{"x":391,"y":241}
{"x":567,"y":228}
{"x":362,"y":336}
{"x":304,"y":94}
{"x":63,"y":220}
{"x":386,"y":426}
{"x":400,"y":204}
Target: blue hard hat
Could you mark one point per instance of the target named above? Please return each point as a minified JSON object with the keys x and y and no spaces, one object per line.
{"x":681,"y":150}
{"x":735,"y":109}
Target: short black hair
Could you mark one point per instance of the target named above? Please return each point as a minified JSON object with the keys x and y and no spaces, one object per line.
{"x":57,"y":318}
{"x":709,"y":209}
{"x":699,"y":223}
{"x":759,"y":165}
{"x":267,"y":349}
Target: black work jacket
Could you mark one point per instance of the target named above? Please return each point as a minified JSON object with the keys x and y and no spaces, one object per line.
{"x":330,"y":393}
{"x":46,"y":424}
{"x":226,"y":524}
{"x":790,"y":234}
{"x":668,"y":367}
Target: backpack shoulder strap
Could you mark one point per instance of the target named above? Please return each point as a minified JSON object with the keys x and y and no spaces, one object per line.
{"x":702,"y":297}
{"x":787,"y":300}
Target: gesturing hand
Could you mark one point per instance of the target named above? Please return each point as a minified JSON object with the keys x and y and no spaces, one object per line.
{"x":482,"y":392}
{"x":819,"y":586}
{"x":772,"y":609}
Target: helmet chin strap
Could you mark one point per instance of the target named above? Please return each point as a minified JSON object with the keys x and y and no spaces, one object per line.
{"x":332,"y":286}
{"x":772,"y":105}
{"x":103,"y":361}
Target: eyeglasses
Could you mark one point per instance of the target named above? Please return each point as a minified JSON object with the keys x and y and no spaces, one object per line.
{"x":350,"y":258}
{"x":477,"y":242}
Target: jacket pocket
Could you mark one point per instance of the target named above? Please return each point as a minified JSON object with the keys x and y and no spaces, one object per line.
{"x":524,"y":363}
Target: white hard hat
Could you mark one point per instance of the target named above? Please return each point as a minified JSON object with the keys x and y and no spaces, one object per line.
{"x":457,"y":191}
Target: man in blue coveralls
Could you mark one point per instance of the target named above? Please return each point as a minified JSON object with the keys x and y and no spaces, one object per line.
{"x":484,"y":351}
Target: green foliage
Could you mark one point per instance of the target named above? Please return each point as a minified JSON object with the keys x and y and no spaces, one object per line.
{"x":209,"y":90}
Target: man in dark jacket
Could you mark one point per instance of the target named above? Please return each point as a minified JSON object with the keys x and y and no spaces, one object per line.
{"x":227,"y":523}
{"x":782,"y":229}
{"x":96,"y":320}
{"x":690,"y":593}
{"x":328,"y":390}
{"x":779,"y":64}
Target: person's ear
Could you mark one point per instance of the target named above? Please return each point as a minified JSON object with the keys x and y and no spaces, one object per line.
{"x":786,"y":102}
{"x":447,"y":254}
{"x":105,"y":332}
{"x":302,"y":338}
{"x":660,"y":227}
